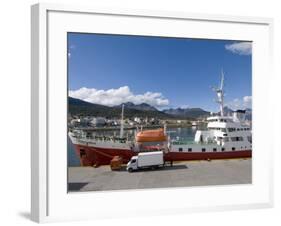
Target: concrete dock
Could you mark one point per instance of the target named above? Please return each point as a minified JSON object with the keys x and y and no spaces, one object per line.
{"x":181,"y":174}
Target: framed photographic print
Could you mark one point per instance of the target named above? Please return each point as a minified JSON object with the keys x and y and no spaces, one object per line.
{"x":130,"y":106}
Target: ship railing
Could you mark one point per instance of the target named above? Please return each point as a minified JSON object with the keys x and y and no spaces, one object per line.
{"x":103,"y":139}
{"x":192,"y":142}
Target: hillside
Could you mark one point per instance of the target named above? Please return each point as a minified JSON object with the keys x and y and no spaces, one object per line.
{"x":83,"y":108}
{"x":141,"y":107}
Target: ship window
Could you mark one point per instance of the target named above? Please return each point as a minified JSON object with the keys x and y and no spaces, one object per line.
{"x":223,"y":130}
{"x":231,"y":129}
{"x":233,"y":148}
{"x":214,"y":149}
{"x":222,"y":149}
{"x":189,"y":149}
{"x":180,"y":149}
{"x":236,"y":138}
{"x":203,"y":149}
{"x":249,"y":139}
{"x":225,"y":139}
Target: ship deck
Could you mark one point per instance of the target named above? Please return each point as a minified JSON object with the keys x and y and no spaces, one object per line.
{"x":194,"y":144}
{"x":181,"y":174}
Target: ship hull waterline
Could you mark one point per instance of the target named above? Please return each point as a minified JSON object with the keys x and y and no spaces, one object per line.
{"x":93,"y":156}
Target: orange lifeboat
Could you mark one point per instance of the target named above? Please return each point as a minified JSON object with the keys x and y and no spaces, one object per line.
{"x":151,"y":136}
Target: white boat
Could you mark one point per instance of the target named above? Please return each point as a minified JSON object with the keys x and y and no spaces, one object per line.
{"x":225,"y":137}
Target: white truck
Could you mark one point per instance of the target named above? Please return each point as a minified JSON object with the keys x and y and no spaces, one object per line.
{"x":146,"y":160}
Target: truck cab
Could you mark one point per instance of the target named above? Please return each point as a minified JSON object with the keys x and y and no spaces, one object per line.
{"x":132,"y":164}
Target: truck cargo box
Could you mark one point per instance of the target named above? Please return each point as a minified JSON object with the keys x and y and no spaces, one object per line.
{"x":150,"y":159}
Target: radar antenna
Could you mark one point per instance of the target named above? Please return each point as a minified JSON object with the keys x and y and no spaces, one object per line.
{"x":220,"y":93}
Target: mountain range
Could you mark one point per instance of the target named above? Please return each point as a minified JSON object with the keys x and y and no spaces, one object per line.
{"x":187,"y":112}
{"x":83,"y":108}
{"x":141,"y":107}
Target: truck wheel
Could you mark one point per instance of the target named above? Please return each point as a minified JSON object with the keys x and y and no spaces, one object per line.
{"x":130,"y":170}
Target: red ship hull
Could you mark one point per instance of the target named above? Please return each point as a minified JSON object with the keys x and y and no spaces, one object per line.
{"x":181,"y":156}
{"x":91,"y":156}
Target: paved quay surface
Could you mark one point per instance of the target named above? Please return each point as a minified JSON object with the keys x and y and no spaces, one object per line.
{"x":181,"y":174}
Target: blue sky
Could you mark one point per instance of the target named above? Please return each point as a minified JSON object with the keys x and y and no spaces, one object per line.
{"x":164,"y":72}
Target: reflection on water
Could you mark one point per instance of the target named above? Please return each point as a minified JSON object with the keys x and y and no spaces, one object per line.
{"x":181,"y":134}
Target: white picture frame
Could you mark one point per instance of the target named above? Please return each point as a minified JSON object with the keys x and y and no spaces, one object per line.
{"x":50,"y":200}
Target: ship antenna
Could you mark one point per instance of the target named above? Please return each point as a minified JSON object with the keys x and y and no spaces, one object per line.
{"x":165,"y":128}
{"x":122,"y":122}
{"x":220,"y":94}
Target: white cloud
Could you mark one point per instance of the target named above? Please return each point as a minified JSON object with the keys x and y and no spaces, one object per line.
{"x":118,"y":96}
{"x":245,"y":102}
{"x":241,"y":48}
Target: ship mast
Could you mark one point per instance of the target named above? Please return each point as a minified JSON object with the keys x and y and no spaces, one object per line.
{"x":122,"y":122}
{"x":220,"y":93}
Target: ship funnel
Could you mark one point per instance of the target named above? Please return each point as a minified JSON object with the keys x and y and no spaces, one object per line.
{"x":239,"y":116}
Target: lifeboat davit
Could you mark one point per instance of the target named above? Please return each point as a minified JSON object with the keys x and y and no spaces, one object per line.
{"x":151,"y":136}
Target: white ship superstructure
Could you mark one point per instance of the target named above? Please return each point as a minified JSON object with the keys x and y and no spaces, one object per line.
{"x":228,"y":134}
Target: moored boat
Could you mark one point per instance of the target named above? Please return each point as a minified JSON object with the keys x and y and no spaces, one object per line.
{"x":225,"y":137}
